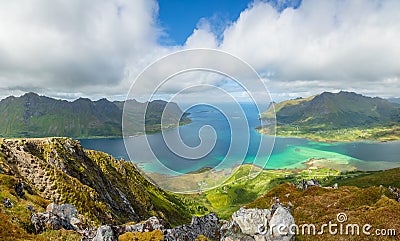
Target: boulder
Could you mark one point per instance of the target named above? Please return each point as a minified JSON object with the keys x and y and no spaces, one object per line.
{"x":280,"y":223}
{"x":251,"y":221}
{"x":105,"y":233}
{"x":19,"y":189}
{"x":207,"y":225}
{"x":56,"y":217}
{"x":153,"y":223}
{"x":46,"y":220}
{"x":67,"y":214}
{"x":8,"y":203}
{"x":260,"y":225}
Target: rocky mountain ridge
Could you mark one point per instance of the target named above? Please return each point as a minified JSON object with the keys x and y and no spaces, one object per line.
{"x":32,"y":115}
{"x":102,"y":188}
{"x":335,"y":110}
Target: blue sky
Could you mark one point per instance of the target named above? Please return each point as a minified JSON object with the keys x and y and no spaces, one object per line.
{"x":179,"y":18}
{"x":73,"y":48}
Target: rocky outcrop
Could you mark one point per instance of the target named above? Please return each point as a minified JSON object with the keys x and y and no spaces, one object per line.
{"x":105,"y":233}
{"x":56,"y":217}
{"x":207,"y":226}
{"x":259,"y":225}
{"x":304,"y":184}
{"x":106,"y":190}
{"x":395,"y":192}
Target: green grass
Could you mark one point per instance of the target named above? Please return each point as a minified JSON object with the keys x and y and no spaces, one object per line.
{"x":323,"y":133}
{"x":372,"y":205}
{"x":240,"y":190}
{"x":366,"y":179}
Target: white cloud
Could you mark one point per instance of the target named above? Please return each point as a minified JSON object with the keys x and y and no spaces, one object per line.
{"x":76,"y":48}
{"x":323,"y":44}
{"x":73,"y":46}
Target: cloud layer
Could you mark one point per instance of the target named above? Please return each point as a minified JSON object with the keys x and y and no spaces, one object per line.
{"x":73,"y":46}
{"x":322,"y":45}
{"x":76,"y":48}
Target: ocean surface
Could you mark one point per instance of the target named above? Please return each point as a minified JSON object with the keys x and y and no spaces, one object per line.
{"x":237,"y":142}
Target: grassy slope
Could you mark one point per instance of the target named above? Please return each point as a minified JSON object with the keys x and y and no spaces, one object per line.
{"x":15,"y":221}
{"x":93,"y":181}
{"x":385,"y":178}
{"x":372,"y":205}
{"x":360,"y":197}
{"x":240,"y":190}
{"x":335,"y":117}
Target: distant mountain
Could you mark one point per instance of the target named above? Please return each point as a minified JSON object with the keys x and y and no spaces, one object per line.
{"x":32,"y":115}
{"x":335,"y":111}
{"x":395,"y":100}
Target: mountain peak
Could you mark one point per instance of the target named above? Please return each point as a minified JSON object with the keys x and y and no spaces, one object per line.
{"x":30,"y":95}
{"x":337,"y":110}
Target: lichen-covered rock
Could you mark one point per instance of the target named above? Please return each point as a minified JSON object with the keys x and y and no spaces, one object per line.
{"x":56,"y":217}
{"x":153,"y":223}
{"x":259,"y":225}
{"x":207,"y":225}
{"x":251,"y":221}
{"x":280,"y":223}
{"x":105,"y":233}
{"x":64,"y":211}
{"x":8,"y":203}
{"x":46,"y":220}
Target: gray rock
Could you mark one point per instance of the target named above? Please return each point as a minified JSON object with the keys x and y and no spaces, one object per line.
{"x":149,"y":225}
{"x":19,"y":189}
{"x":56,"y":217}
{"x":304,"y":184}
{"x":260,"y":225}
{"x":105,"y":233}
{"x":46,"y":220}
{"x":30,"y":208}
{"x":335,"y":186}
{"x":8,"y":203}
{"x":395,"y":192}
{"x":280,"y":223}
{"x":207,"y":225}
{"x":251,"y":220}
{"x":65,"y":211}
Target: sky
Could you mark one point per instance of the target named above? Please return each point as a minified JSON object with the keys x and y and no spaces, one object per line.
{"x":73,"y":48}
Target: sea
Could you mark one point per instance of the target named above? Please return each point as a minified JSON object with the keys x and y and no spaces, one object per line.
{"x":223,"y":137}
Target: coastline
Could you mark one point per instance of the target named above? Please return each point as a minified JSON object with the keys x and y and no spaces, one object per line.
{"x":316,"y":138}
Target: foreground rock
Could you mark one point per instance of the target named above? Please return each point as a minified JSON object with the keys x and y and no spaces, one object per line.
{"x":56,"y":217}
{"x":259,"y":225}
{"x":207,"y":225}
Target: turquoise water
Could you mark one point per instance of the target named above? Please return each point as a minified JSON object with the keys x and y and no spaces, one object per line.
{"x":237,"y":144}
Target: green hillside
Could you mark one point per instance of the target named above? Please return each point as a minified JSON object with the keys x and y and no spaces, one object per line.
{"x":336,"y":116}
{"x":103,"y":189}
{"x":32,"y":115}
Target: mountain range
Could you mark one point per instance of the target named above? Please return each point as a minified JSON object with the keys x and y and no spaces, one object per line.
{"x":335,"y":111}
{"x":32,"y":115}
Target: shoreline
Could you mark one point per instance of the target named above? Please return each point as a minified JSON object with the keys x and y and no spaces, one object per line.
{"x":327,"y":140}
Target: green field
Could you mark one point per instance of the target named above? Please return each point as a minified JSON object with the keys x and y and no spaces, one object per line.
{"x":320,"y":133}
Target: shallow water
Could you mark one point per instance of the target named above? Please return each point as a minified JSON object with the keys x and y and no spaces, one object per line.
{"x":236,"y":144}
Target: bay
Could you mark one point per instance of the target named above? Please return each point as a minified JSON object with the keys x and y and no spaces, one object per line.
{"x":237,"y":143}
